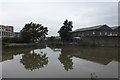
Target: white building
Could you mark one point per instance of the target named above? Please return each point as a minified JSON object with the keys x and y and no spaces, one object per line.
{"x":6,"y":31}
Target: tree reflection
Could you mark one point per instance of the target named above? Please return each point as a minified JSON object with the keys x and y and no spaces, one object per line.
{"x":6,"y":57}
{"x":34,"y":61}
{"x":66,"y":61}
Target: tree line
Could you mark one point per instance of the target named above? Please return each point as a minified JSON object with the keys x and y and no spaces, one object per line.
{"x":35,"y":32}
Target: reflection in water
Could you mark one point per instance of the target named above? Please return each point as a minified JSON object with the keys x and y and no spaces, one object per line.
{"x":8,"y":53}
{"x":93,"y":76}
{"x":7,"y":57}
{"x":61,"y":62}
{"x":99,"y":55}
{"x":66,"y":61}
{"x":33,"y":60}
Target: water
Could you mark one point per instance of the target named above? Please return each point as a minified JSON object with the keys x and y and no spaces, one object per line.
{"x":60,"y":62}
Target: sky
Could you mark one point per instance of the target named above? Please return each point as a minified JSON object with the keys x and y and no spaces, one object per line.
{"x":53,"y":14}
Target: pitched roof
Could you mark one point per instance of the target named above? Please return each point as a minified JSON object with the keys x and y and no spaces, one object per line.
{"x":89,"y":28}
{"x":115,"y":27}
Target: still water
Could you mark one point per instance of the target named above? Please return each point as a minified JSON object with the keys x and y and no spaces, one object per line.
{"x":60,"y":62}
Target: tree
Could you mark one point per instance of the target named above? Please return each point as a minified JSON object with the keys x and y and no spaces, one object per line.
{"x":64,"y":31}
{"x":33,"y":32}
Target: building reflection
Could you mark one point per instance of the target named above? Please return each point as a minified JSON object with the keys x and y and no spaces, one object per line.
{"x":101,"y":56}
{"x":10,"y":52}
{"x":98,"y":55}
{"x":32,"y":61}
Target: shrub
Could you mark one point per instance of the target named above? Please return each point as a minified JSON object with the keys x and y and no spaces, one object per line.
{"x":12,"y":40}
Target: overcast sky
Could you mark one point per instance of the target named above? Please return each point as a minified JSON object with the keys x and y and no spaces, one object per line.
{"x":53,"y":14}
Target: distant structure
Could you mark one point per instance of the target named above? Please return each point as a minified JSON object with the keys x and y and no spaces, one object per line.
{"x":116,"y":31}
{"x":6,"y":31}
{"x":16,"y":34}
{"x":99,"y":30}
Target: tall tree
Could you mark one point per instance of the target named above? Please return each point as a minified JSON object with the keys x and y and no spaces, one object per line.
{"x":33,"y":32}
{"x":64,"y":31}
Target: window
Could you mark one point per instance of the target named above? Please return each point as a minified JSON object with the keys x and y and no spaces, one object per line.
{"x":78,"y":34}
{"x":100,"y":33}
{"x":82,"y":34}
{"x":105,"y":33}
{"x":93,"y":33}
{"x":110,"y":34}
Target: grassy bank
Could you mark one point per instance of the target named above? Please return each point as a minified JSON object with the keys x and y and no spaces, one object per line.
{"x":7,"y":45}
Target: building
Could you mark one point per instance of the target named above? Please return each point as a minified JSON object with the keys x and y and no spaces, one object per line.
{"x":101,"y":35}
{"x":16,"y":34}
{"x":99,"y":30}
{"x":116,"y":31}
{"x":6,"y":31}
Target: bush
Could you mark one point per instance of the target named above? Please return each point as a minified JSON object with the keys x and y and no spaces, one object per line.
{"x":12,"y":40}
{"x":52,"y":38}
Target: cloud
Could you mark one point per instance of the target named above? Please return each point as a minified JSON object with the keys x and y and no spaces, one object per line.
{"x":52,"y":14}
